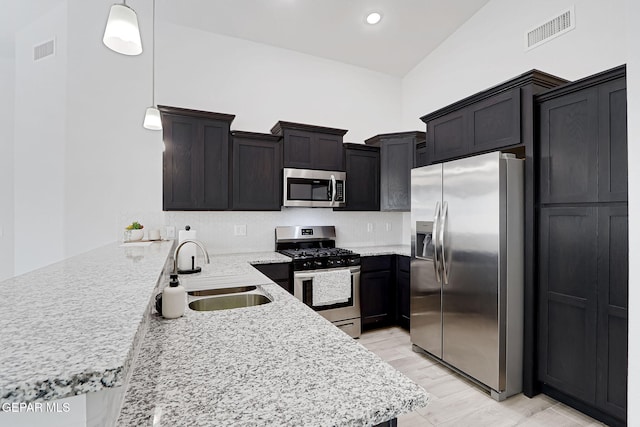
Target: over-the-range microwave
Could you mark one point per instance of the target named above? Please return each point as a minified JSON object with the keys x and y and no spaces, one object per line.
{"x":314,"y":188}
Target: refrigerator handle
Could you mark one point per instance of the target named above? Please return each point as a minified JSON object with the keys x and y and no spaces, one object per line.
{"x":436,"y":252}
{"x":443,"y":227}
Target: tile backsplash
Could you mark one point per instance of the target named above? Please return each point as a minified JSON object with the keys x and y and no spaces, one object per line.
{"x":222,"y":232}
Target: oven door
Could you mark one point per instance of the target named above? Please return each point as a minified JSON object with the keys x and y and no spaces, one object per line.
{"x":313,"y":188}
{"x":303,"y":288}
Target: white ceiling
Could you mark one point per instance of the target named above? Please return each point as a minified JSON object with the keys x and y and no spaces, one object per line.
{"x":333,"y":29}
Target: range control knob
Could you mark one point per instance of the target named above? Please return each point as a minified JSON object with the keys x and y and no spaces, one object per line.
{"x":306,"y":265}
{"x":317,"y":264}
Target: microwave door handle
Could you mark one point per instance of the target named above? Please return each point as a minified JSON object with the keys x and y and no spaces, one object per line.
{"x":333,"y":191}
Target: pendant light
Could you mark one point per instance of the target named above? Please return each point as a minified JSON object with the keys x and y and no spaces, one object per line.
{"x":122,"y":33}
{"x":152,"y":119}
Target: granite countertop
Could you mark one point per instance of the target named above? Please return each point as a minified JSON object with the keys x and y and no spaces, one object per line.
{"x":71,"y":327}
{"x":381,"y":250}
{"x":275,"y":364}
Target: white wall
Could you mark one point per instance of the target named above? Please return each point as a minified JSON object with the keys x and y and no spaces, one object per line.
{"x":489,"y":49}
{"x":263,"y":84}
{"x":633,"y":106}
{"x":7,"y":71}
{"x":111,"y":163}
{"x":39,"y":150}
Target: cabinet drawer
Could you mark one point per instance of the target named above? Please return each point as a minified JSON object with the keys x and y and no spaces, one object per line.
{"x":376,"y":263}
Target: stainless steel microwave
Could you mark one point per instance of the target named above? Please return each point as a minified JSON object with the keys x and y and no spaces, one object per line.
{"x":314,"y":188}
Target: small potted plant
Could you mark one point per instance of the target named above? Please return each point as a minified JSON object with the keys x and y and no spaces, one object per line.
{"x":135,"y":231}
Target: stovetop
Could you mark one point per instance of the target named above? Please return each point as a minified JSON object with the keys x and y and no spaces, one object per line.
{"x":313,"y":248}
{"x":319,"y":258}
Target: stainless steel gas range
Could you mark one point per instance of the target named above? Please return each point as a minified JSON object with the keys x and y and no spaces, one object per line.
{"x":325,"y":278}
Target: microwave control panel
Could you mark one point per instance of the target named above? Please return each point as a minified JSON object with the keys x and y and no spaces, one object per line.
{"x":339,"y":191}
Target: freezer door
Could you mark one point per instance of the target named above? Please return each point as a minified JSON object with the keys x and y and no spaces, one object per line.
{"x":470,"y":243}
{"x":426,"y":288}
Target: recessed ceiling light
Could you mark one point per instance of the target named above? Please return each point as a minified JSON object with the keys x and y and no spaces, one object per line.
{"x":373,"y":18}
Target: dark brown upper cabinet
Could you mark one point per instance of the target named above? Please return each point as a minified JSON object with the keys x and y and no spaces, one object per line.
{"x":311,"y":147}
{"x":195,"y":167}
{"x":256,"y":171}
{"x":494,"y":119}
{"x":397,"y":158}
{"x":583,"y":141}
{"x":363,"y":177}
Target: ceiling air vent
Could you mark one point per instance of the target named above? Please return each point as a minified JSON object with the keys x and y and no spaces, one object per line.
{"x":43,"y":50}
{"x":551,"y":29}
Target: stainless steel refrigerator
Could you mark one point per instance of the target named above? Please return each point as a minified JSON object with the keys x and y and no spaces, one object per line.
{"x":467,"y":251}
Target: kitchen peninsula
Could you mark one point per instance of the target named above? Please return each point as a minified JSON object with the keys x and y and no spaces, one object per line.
{"x":278,"y":363}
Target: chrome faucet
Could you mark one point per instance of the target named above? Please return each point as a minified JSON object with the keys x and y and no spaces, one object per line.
{"x":197,"y":243}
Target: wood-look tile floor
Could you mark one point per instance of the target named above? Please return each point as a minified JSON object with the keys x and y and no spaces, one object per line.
{"x":455,"y":401}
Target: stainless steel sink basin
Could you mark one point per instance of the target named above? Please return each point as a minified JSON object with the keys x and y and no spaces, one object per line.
{"x":226,"y":302}
{"x":221,"y":291}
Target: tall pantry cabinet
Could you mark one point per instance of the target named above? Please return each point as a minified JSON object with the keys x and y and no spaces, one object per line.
{"x":583,"y":245}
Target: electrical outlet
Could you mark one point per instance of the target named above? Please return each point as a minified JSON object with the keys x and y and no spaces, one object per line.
{"x":171,"y":232}
{"x":369,"y":227}
{"x":387,"y":226}
{"x":240,"y":230}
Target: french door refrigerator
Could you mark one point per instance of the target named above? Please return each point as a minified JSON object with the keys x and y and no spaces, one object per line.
{"x":467,"y":232}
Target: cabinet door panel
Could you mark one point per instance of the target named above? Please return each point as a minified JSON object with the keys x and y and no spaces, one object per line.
{"x":215,"y":185}
{"x":612,"y":331}
{"x":326,"y":153}
{"x":569,"y":148}
{"x":396,"y":163}
{"x":363,"y":180}
{"x":298,"y":149}
{"x":404,"y":298}
{"x":179,"y":165}
{"x":568,"y":303}
{"x":612,"y":162}
{"x":496,"y":122}
{"x":375,"y":297}
{"x":446,"y":136}
{"x":256,"y":175}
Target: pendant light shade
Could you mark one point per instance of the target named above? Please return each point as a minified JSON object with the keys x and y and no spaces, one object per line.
{"x":122,"y":33}
{"x":152,"y":119}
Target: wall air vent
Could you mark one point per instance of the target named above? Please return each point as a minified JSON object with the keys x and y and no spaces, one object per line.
{"x":43,"y":50}
{"x":552,"y":28}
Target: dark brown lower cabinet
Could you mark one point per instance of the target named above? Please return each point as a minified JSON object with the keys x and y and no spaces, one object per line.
{"x":403,"y":283}
{"x":281,"y":273}
{"x":583,"y":326}
{"x":377,"y":291}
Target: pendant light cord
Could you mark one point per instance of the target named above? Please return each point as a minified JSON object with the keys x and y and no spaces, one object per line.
{"x":153,"y":57}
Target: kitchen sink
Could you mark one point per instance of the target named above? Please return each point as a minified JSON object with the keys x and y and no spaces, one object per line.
{"x":226,"y":302}
{"x":221,"y":291}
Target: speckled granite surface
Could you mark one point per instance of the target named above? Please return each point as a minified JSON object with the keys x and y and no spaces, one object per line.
{"x":381,"y":250}
{"x":276,"y":364}
{"x":71,"y":327}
